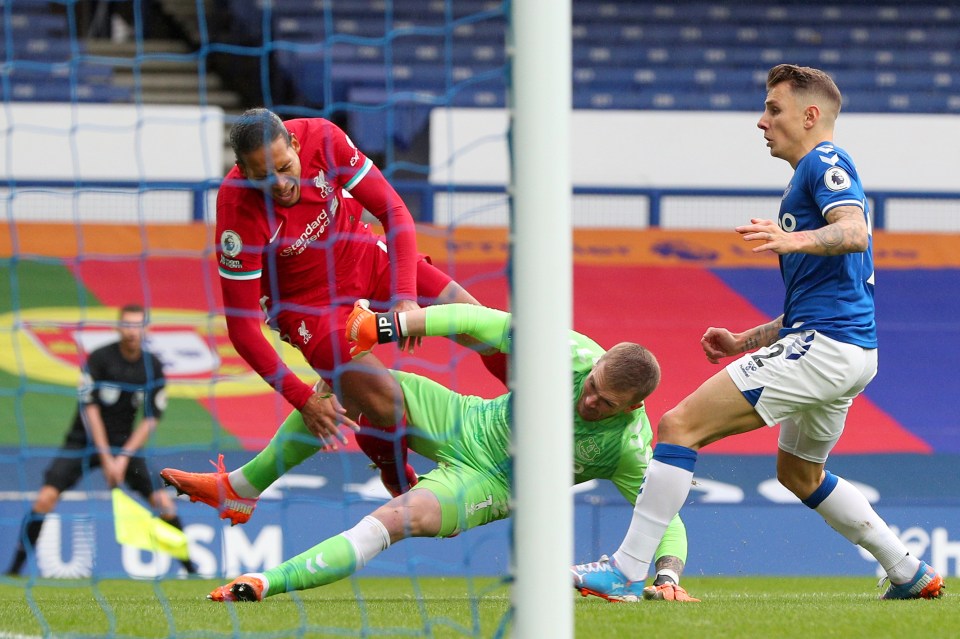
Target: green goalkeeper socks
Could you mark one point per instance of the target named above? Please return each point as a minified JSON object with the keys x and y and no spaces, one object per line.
{"x":325,"y":563}
{"x":292,"y":443}
{"x":331,"y":560}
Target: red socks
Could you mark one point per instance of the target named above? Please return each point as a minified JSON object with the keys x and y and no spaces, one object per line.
{"x":497,"y":365}
{"x":387,"y":448}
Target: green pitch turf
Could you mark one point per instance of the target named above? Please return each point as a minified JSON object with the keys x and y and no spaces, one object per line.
{"x":741,"y":607}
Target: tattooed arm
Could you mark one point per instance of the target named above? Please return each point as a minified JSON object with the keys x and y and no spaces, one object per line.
{"x":719,"y":342}
{"x":845,"y":232}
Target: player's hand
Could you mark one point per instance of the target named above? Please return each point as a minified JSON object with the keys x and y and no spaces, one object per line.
{"x":365,"y":329}
{"x":120,"y":463}
{"x":361,"y":330}
{"x":718,"y":343}
{"x":667,"y":592}
{"x":773,"y":238}
{"x":114,"y":469}
{"x":408,"y":344}
{"x":323,"y":415}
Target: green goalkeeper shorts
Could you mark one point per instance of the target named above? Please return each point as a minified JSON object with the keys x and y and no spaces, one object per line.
{"x":468,"y":437}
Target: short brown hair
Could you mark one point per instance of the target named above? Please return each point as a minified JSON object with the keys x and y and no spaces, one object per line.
{"x":632,"y":367}
{"x":807,"y":80}
{"x":132,"y":308}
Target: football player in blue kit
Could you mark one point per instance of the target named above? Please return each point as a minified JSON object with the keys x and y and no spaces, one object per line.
{"x":801,"y":370}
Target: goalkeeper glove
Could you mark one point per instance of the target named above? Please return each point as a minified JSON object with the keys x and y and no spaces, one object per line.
{"x":366,"y":328}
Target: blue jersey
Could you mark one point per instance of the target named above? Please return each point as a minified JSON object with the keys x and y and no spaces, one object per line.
{"x":829,"y":294}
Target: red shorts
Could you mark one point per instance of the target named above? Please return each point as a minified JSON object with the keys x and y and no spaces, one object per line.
{"x":319,"y":333}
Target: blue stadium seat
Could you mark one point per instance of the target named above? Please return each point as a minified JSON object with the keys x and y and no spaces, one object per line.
{"x":895,"y":80}
{"x":65,"y":91}
{"x":33,"y":73}
{"x":44,"y":49}
{"x":374,"y":108}
{"x":655,"y":99}
{"x":902,"y":102}
{"x":35,"y":24}
{"x":626,"y":54}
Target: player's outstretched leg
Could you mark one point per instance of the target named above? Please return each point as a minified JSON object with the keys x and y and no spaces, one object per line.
{"x":213,"y":489}
{"x":331,"y":560}
{"x":926,"y":584}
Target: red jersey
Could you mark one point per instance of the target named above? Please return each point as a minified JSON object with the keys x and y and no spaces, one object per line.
{"x":296,"y":256}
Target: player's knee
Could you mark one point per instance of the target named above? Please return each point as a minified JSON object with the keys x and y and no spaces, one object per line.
{"x":382,"y":404}
{"x":792,"y":484}
{"x":403,"y":519}
{"x":800,"y":484}
{"x":673,"y":427}
{"x":46,"y":500}
{"x":382,"y":410}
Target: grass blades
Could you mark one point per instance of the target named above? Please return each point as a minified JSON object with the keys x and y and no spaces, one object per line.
{"x":739,"y":607}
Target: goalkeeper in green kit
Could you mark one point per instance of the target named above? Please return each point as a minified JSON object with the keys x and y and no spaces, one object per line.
{"x":469,"y":438}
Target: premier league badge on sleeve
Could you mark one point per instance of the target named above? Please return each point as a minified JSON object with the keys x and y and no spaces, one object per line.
{"x":230,"y":243}
{"x":836,"y":179}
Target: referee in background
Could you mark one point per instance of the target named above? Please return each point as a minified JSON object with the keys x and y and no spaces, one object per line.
{"x":118,"y":380}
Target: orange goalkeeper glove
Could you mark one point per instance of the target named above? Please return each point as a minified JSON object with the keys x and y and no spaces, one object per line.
{"x":667,"y":592}
{"x":365,"y":329}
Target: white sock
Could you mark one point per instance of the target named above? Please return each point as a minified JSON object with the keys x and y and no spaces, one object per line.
{"x":664,"y":489}
{"x":369,"y":538}
{"x":242,"y":486}
{"x":904,"y":570}
{"x":850,"y":514}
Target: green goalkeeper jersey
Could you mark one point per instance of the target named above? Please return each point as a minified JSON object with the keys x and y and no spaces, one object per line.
{"x":477,"y":431}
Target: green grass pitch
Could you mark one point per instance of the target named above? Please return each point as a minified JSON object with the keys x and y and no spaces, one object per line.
{"x":781,"y":607}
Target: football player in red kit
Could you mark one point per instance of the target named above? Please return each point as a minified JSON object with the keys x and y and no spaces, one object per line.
{"x":292,"y":243}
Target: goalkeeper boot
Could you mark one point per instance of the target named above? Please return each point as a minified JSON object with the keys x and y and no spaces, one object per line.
{"x":667,"y":592}
{"x":603,"y":579}
{"x":926,"y":584}
{"x":243,"y":588}
{"x":213,"y":489}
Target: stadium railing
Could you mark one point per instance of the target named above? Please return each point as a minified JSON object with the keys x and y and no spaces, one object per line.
{"x":638,"y":208}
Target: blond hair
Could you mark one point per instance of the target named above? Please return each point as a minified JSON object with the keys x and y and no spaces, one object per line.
{"x":631,"y":367}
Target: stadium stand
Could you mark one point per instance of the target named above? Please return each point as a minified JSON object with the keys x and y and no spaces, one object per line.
{"x":348,"y":56}
{"x":627,"y":55}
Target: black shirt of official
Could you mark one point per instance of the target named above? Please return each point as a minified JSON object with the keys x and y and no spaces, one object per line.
{"x":120,"y":388}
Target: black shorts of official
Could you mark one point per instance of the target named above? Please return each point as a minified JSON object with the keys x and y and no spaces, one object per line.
{"x":66,"y":470}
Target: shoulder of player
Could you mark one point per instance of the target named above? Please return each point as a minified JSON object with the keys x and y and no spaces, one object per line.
{"x":585,"y":349}
{"x":824,"y":156}
{"x":309,"y":130}
{"x":232,"y":184}
{"x":104,"y":353}
{"x":241,"y":211}
{"x":154,"y":360}
{"x":822,"y":162}
{"x":296,"y":125}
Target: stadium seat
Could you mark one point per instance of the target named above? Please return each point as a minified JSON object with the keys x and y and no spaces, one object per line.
{"x":626,"y":54}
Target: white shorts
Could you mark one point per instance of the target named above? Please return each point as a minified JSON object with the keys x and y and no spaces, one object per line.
{"x":806,"y":383}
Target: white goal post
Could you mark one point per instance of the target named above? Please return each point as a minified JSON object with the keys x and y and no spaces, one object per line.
{"x":539,"y":44}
